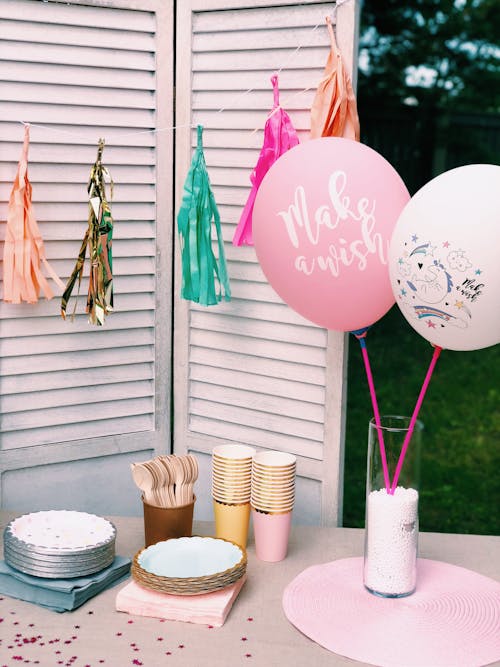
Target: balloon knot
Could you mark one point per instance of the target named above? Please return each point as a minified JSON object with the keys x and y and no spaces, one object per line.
{"x":360,"y":333}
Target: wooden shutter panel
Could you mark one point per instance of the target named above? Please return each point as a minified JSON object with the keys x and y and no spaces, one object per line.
{"x":69,"y":390}
{"x":252,"y":370}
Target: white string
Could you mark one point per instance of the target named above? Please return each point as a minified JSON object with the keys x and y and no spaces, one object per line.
{"x":228,"y":106}
{"x":338,"y":3}
{"x":116,"y":136}
{"x":282,"y":106}
{"x":290,"y":57}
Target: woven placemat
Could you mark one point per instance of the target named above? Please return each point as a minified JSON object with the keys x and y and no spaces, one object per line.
{"x":452,"y":619}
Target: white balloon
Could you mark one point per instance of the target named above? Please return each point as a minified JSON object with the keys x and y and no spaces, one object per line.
{"x":444,"y":259}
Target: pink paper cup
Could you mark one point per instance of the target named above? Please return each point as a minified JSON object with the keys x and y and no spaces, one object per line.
{"x":271,"y":533}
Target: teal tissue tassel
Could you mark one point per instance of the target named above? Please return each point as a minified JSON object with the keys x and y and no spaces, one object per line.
{"x":204,"y":279}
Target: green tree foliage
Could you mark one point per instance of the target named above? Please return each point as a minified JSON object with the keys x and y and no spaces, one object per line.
{"x":429,"y":101}
{"x":431,"y":53}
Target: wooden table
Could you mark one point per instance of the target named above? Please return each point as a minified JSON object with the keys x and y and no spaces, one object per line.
{"x":255,"y":633}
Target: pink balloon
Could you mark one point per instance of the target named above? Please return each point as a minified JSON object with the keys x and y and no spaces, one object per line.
{"x":322,"y":222}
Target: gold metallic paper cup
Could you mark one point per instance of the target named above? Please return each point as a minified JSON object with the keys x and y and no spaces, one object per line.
{"x":231,"y":522}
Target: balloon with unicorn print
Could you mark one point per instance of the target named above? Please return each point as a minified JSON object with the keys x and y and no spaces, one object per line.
{"x":444,"y":259}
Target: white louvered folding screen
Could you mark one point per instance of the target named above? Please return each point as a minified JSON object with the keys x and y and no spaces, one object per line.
{"x":252,"y":370}
{"x":68,"y":390}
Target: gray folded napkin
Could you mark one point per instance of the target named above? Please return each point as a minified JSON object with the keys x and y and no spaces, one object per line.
{"x":61,"y":594}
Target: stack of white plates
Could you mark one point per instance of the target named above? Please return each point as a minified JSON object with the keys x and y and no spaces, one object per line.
{"x":59,"y":544}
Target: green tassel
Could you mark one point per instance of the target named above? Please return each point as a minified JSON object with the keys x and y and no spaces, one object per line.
{"x":204,"y":280}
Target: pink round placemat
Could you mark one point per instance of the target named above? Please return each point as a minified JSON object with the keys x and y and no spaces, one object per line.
{"x":452,"y":619}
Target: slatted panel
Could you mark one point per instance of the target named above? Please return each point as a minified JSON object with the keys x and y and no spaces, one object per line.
{"x":257,"y":370}
{"x":86,"y":72}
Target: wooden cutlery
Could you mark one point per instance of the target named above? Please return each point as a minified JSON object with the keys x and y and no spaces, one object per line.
{"x":166,"y":481}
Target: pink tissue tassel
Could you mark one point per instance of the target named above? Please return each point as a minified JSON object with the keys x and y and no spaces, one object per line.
{"x":279,"y":137}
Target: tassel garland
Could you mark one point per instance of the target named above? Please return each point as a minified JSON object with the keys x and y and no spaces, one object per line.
{"x":279,"y":137}
{"x":24,"y":249}
{"x":334,"y":110}
{"x":204,"y":279}
{"x":98,"y":239}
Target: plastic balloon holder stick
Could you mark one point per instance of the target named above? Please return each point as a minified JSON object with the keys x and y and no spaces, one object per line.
{"x":361,"y":336}
{"x":413,"y":420}
{"x":390,"y":488}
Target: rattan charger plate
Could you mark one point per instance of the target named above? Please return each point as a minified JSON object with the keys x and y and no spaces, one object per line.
{"x":188,"y":585}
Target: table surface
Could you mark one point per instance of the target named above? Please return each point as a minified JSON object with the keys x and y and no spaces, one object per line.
{"x":256,"y":632}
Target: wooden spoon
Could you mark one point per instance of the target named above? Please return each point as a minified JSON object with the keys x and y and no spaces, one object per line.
{"x":191,"y":477}
{"x":167,"y":489}
{"x":178,"y":475}
{"x":143,"y":479}
{"x":150,"y":465}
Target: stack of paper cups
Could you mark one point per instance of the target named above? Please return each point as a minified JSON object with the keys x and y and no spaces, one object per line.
{"x":231,"y":489}
{"x":272,"y":498}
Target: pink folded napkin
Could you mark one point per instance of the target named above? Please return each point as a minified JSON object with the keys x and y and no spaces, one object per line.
{"x":207,"y":609}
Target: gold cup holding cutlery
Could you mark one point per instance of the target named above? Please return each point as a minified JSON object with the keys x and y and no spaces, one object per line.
{"x":163,"y":523}
{"x":167,"y":497}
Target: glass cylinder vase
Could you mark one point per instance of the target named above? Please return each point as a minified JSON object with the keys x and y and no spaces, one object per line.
{"x":391,"y":519}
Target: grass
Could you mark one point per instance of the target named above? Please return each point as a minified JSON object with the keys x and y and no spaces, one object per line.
{"x":460,"y":487}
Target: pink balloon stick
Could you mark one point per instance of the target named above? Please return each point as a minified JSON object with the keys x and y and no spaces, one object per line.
{"x":381,"y":445}
{"x":413,"y":420}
